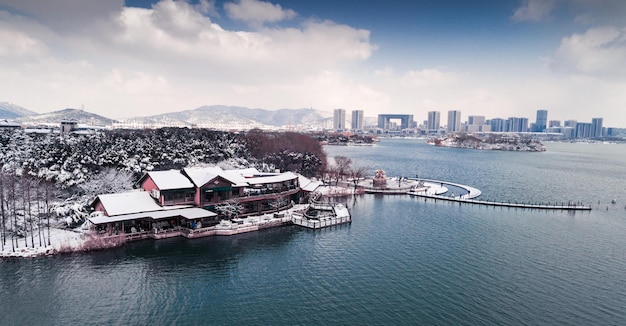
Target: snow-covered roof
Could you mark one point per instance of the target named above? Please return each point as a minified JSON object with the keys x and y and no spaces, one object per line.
{"x":128,"y":202}
{"x":246,"y":173}
{"x":285,"y":176}
{"x":170,"y":179}
{"x":201,"y":175}
{"x":9,"y":124}
{"x":307,"y":184}
{"x":188,"y":213}
{"x":233,"y":176}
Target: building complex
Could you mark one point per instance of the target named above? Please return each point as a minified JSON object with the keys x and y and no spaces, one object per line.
{"x":195,"y":198}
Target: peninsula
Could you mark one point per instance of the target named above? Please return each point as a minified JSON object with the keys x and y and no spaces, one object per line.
{"x":492,"y":141}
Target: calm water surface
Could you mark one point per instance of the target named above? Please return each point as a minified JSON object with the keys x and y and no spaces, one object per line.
{"x":403,"y":260}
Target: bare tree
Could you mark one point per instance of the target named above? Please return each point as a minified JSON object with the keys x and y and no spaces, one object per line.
{"x":358,"y":173}
{"x":48,"y":188}
{"x":2,"y":213}
{"x":343,"y":165}
{"x":333,"y":174}
{"x":27,"y":187}
{"x":38,"y":198}
{"x":12,"y":201}
{"x":230,"y":209}
{"x":277,"y":202}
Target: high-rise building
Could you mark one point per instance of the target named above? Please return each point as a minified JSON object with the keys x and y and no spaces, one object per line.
{"x":357,"y":119}
{"x":476,"y":123}
{"x":434,"y":118}
{"x":498,"y":125}
{"x":570,"y":123}
{"x":596,"y":127}
{"x":542,"y":121}
{"x":517,"y":125}
{"x":555,"y":123}
{"x":385,"y":121}
{"x":454,"y":121}
{"x":477,"y":120}
{"x":583,"y":130}
{"x":339,"y":119}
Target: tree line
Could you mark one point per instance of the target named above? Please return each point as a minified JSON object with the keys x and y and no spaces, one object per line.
{"x":45,"y":176}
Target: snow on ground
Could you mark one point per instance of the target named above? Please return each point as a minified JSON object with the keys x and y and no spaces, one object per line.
{"x":331,"y":191}
{"x":435,"y":188}
{"x":61,"y":240}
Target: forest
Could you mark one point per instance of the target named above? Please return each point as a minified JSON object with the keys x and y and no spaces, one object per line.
{"x":45,"y":178}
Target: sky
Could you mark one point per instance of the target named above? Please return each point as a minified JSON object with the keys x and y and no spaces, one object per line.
{"x":496,"y":58}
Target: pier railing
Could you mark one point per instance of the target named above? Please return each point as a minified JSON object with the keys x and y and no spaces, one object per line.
{"x":548,"y":206}
{"x":318,"y":223}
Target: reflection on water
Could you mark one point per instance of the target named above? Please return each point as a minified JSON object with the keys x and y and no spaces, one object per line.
{"x":403,"y":260}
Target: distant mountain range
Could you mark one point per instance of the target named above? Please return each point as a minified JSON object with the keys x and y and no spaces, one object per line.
{"x":79,"y":116}
{"x":221,"y":115}
{"x":12,"y":111}
{"x":213,"y":116}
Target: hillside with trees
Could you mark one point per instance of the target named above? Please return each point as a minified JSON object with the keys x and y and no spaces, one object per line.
{"x":55,"y":176}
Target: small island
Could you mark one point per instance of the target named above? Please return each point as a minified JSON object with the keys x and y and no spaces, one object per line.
{"x":492,"y":141}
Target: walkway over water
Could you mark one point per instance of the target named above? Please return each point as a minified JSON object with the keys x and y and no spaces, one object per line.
{"x":473,"y":193}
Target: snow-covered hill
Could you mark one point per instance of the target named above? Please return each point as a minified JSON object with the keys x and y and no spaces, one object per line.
{"x":208,"y":116}
{"x":79,"y":116}
{"x":217,"y":116}
{"x":12,"y":111}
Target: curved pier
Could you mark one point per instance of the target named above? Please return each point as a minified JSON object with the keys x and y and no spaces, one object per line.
{"x":473,"y":193}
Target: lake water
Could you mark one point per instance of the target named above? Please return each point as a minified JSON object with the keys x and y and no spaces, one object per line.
{"x":403,"y":260}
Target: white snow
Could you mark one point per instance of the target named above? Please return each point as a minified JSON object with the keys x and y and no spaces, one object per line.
{"x":307,"y":184}
{"x":61,"y":240}
{"x":170,"y":179}
{"x":128,"y":202}
{"x":286,"y":176}
{"x":201,"y":175}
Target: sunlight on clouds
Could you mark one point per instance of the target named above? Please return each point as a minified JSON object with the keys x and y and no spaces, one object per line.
{"x":257,"y":12}
{"x":169,"y":56}
{"x":123,"y":61}
{"x":135,"y":82}
{"x":599,"y":51}
{"x":20,"y":46}
{"x":329,"y":89}
{"x":427,"y":77}
{"x":386,"y":72}
{"x":178,"y":18}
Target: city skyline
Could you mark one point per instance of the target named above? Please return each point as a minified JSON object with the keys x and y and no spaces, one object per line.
{"x":475,"y":123}
{"x":494,"y":58}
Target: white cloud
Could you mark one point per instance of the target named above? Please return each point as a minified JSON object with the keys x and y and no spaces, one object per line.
{"x":427,"y":77}
{"x":174,"y":56}
{"x":386,"y":72}
{"x":135,"y":82}
{"x":67,"y":16}
{"x":20,"y":45}
{"x":207,"y":7}
{"x":168,"y":57}
{"x":178,"y":19}
{"x":534,"y":10}
{"x":257,"y":12}
{"x":582,"y":11}
{"x":598,"y":52}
